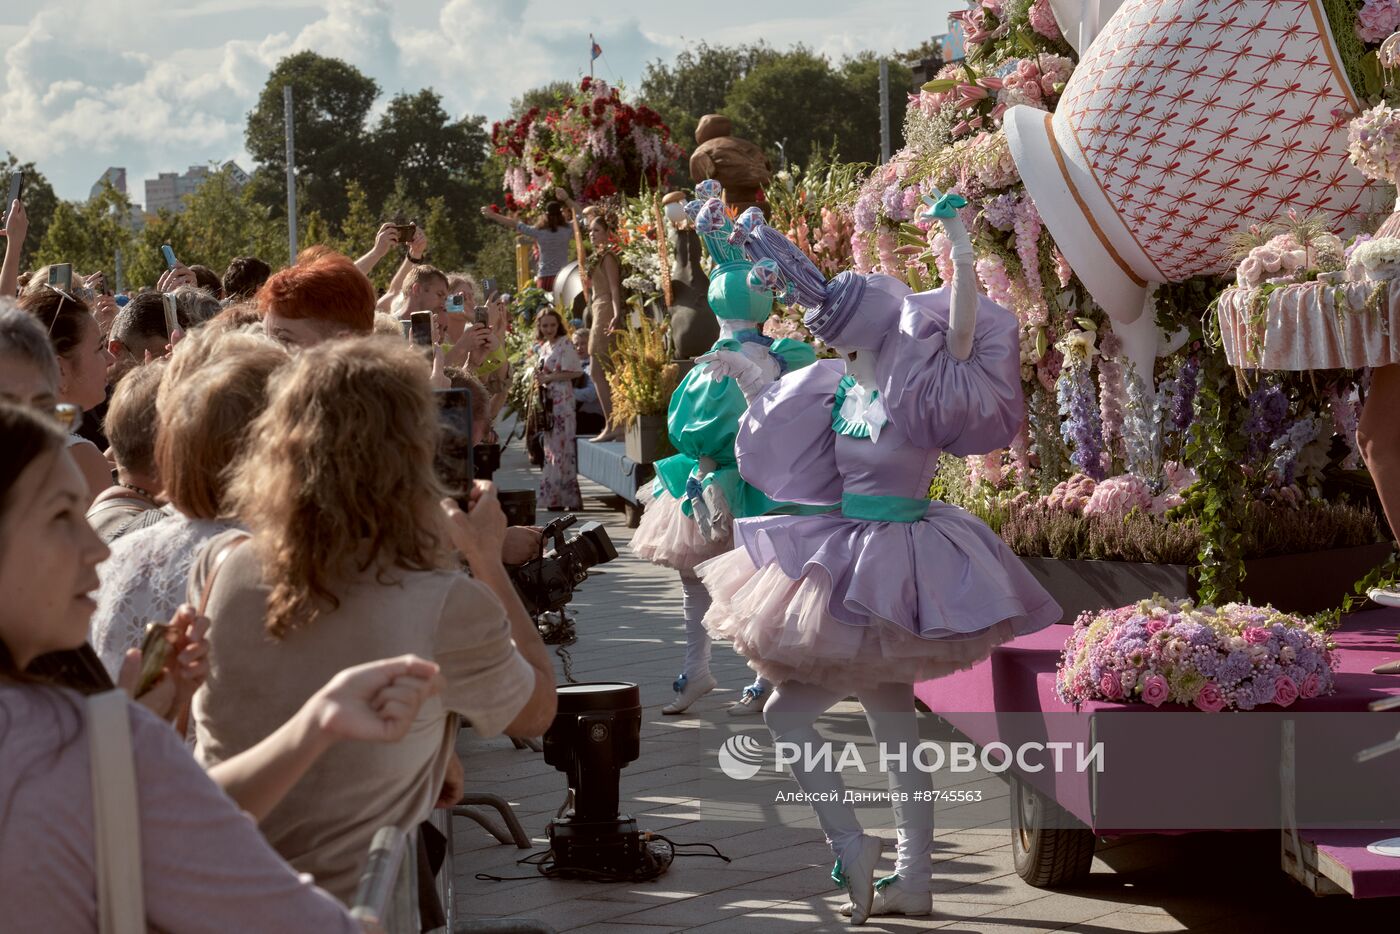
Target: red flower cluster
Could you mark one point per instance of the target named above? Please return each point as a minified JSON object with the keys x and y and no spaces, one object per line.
{"x":592,"y":143}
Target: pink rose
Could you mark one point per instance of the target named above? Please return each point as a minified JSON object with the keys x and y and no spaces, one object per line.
{"x":1155,"y":625}
{"x":1285,"y":691}
{"x":1110,"y":686}
{"x":1256,"y":635}
{"x":1209,"y":698}
{"x":1312,"y":685}
{"x":1250,"y":272}
{"x":1154,"y":689}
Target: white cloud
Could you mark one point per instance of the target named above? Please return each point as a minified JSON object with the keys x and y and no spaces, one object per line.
{"x":92,"y":83}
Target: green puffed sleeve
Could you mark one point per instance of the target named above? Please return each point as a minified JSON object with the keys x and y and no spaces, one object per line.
{"x":794,"y":354}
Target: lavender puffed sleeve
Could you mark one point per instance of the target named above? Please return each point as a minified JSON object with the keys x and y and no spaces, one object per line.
{"x":785,"y":446}
{"x":964,"y":407}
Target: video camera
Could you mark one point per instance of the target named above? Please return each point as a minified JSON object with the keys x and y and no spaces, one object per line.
{"x":547,"y":583}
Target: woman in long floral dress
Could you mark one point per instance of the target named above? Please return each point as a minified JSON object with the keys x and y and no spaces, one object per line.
{"x":556,"y":367}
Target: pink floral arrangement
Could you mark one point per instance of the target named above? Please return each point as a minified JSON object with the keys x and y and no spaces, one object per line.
{"x":1118,"y":496}
{"x":1377,"y":19}
{"x":1043,"y":19}
{"x":1165,"y":651}
{"x":1373,"y":142}
{"x":1284,"y":259}
{"x":1072,"y":495}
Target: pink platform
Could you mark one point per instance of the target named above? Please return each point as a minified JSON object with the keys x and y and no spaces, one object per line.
{"x":1020,"y":678}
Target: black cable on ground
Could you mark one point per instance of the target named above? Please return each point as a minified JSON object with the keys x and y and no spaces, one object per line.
{"x":658,"y":854}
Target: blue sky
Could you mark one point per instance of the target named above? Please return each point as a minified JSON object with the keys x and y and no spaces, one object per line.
{"x":159,"y":86}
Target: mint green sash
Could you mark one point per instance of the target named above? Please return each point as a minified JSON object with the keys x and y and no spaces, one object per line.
{"x":883,"y":508}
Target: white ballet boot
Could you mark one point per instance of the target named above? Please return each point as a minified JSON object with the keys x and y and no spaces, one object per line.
{"x":896,"y":896}
{"x":856,"y":870}
{"x":750,"y":703}
{"x":688,"y":691}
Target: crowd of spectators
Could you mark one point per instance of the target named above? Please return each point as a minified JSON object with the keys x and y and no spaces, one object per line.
{"x":257,"y":477}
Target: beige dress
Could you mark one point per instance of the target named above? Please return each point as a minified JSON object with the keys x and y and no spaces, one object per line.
{"x":325,"y":824}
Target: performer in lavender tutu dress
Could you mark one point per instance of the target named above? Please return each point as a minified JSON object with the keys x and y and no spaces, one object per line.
{"x":690,"y":509}
{"x":893,"y":588}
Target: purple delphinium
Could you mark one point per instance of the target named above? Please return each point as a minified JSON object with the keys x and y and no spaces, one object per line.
{"x":1184,"y":397}
{"x":1081,"y":426}
{"x":1268,"y":415}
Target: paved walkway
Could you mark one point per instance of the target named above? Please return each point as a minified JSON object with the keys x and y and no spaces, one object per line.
{"x":629,"y":627}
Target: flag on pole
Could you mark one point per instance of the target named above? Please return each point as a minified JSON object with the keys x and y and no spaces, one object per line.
{"x":597,"y":49}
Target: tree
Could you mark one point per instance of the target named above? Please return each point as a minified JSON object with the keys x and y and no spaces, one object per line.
{"x":698,"y":83}
{"x":88,"y":233}
{"x":330,"y":102}
{"x":40,"y":202}
{"x":858,"y":139}
{"x":794,"y":99}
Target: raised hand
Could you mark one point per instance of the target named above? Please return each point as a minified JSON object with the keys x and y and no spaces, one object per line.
{"x":377,"y":701}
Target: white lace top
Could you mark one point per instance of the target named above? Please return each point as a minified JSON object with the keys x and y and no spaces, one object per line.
{"x":144,"y":580}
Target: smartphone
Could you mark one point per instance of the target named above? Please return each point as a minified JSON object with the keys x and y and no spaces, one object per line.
{"x":169,"y":255}
{"x":155,"y":652}
{"x":102,"y":287}
{"x":61,"y":277}
{"x":407,"y":326}
{"x":421,"y":328}
{"x":454,"y":460}
{"x":16,"y":191}
{"x":172,"y":314}
{"x":405,"y":233}
{"x":482,"y":316}
{"x":488,"y":289}
{"x":456,"y":303}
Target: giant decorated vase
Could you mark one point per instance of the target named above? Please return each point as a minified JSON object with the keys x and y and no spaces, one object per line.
{"x":1185,"y":122}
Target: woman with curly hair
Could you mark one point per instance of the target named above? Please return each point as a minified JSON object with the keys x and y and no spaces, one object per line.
{"x":355,"y":554}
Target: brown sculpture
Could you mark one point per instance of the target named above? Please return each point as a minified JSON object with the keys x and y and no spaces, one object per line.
{"x":737,"y":164}
{"x":694,"y":327}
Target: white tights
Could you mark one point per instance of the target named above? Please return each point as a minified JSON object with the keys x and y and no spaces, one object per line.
{"x":791,"y":714}
{"x":695,"y":603}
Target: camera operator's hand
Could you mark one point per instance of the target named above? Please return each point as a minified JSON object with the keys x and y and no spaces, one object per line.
{"x":479,"y":533}
{"x":522,"y":544}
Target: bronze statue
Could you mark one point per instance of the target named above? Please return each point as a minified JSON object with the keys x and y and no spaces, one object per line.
{"x":737,"y":164}
{"x":694,"y":327}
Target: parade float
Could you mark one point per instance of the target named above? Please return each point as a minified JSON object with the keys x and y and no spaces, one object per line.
{"x":1114,"y":183}
{"x":1180,"y":200}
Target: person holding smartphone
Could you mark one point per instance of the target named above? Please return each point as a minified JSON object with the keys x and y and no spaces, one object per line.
{"x":337,"y":544}
{"x":202,"y":863}
{"x":15,"y":230}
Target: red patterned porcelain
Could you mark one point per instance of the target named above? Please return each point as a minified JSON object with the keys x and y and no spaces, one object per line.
{"x":1186,"y":122}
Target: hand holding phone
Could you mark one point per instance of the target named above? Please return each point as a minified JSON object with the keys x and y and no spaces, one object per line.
{"x":404,"y":233}
{"x":169,"y":254}
{"x":155,"y":653}
{"x":16,"y":192}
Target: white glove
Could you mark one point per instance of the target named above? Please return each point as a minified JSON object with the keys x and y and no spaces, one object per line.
{"x":719,"y":524}
{"x":744,"y":371}
{"x":962,"y":291}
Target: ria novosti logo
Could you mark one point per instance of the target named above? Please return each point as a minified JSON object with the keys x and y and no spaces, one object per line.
{"x":741,"y":756}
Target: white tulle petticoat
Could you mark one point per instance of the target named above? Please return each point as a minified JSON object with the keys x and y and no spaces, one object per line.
{"x":670,"y":538}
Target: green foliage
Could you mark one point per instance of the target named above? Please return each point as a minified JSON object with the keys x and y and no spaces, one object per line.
{"x":330,"y":102}
{"x":795,"y":97}
{"x":87,"y":234}
{"x":40,"y":202}
{"x":543,"y":97}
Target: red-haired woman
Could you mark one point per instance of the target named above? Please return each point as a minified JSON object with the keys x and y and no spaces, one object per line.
{"x":323,"y":296}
